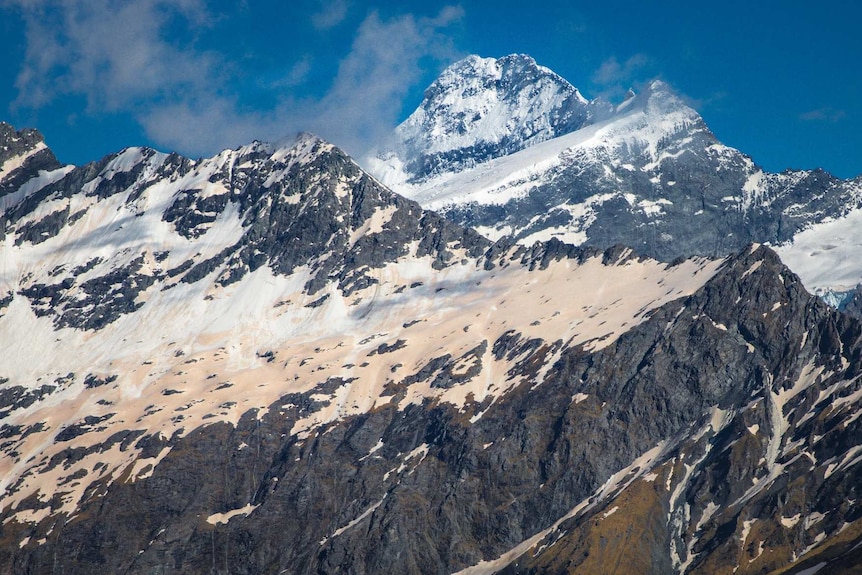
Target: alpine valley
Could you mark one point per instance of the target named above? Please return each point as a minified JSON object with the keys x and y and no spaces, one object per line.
{"x":267,"y":362}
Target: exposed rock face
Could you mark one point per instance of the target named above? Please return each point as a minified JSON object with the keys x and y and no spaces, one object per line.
{"x":266,"y":362}
{"x":22,"y":155}
{"x":257,"y":191}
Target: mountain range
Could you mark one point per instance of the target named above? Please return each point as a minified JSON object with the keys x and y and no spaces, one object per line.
{"x":508,"y":147}
{"x":269,"y":362}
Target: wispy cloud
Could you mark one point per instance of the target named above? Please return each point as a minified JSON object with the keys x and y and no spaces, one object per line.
{"x":362,"y":104}
{"x":385,"y":62}
{"x":113,"y":53}
{"x":612,"y":72}
{"x":331,"y":14}
{"x":122,"y":57}
{"x":713,"y":100}
{"x":825,"y":114}
{"x":297,"y":74}
{"x":613,"y":77}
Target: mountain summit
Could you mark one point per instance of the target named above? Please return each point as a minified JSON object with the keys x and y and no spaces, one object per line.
{"x":647,"y":173}
{"x":478,"y":109}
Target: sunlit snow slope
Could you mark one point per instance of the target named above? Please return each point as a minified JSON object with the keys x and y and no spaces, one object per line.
{"x":147,"y":295}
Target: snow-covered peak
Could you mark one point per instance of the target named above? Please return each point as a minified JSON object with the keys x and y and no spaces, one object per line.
{"x":501,"y":74}
{"x":661,"y":98}
{"x":647,"y":172}
{"x":657,"y":98}
{"x":481,"y":108}
{"x":300,"y":139}
{"x":649,"y":127}
{"x":302,"y":147}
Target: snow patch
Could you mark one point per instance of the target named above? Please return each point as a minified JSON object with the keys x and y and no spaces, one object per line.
{"x":220,"y":518}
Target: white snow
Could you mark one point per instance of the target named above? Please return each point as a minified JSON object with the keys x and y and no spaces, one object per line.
{"x":813,"y":570}
{"x":818,"y":539}
{"x":653,"y":208}
{"x":679,"y":517}
{"x":374,"y":449}
{"x":34,"y":184}
{"x":470,"y":106}
{"x":15,"y":162}
{"x":825,"y":256}
{"x":356,"y":521}
{"x":852,"y":457}
{"x":467,"y":110}
{"x":746,"y":530}
{"x":501,"y":179}
{"x":812,"y":519}
{"x":752,"y":187}
{"x":643,"y":124}
{"x":708,"y":513}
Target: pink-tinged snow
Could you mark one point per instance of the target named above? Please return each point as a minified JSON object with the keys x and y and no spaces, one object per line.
{"x":198,"y":353}
{"x":217,"y":518}
{"x":42,"y":179}
{"x":174,"y":355}
{"x":15,"y":162}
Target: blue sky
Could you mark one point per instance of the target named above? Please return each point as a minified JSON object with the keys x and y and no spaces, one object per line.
{"x":779,"y":80}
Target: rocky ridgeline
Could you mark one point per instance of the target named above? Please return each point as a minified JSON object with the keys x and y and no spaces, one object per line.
{"x":22,"y":155}
{"x":265,"y":362}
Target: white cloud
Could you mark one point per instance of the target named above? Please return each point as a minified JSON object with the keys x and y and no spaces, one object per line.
{"x":613,"y":78}
{"x":331,"y":14}
{"x":612,"y":72}
{"x":298,"y":73}
{"x":201,"y":127}
{"x":362,"y":104}
{"x":113,"y":53}
{"x":366,"y":98}
{"x":826,"y":114}
{"x":119,"y":57}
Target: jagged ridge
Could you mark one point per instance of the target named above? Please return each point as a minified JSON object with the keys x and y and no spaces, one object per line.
{"x":274,"y":363}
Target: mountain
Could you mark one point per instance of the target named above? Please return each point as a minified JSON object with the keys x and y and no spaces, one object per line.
{"x":267,"y":362}
{"x":480,"y":109}
{"x":647,"y":173}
